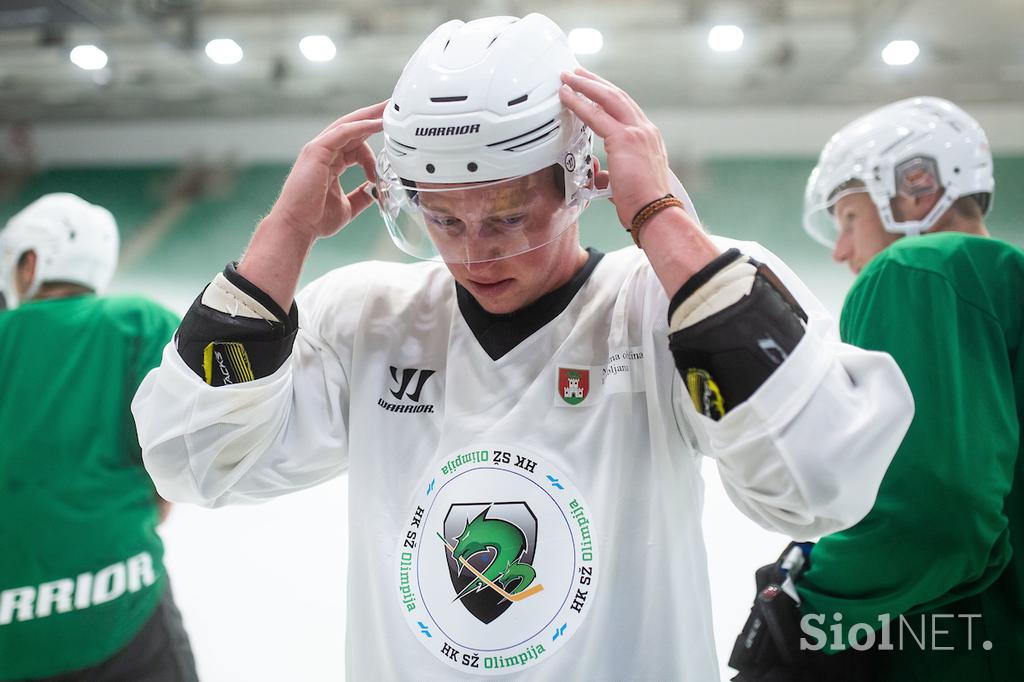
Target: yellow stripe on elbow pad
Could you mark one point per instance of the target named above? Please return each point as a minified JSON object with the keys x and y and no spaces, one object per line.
{"x":225,"y":363}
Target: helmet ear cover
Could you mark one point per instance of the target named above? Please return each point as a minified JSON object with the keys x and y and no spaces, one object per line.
{"x":917,"y":177}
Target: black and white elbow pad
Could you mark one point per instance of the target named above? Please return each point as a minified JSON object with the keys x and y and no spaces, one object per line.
{"x":234,"y":332}
{"x":730,"y":326}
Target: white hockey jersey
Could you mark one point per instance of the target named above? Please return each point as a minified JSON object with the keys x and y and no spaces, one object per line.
{"x":535,"y":516}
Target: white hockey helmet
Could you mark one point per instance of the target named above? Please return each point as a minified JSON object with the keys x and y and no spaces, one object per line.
{"x":74,"y":241}
{"x":911,"y":147}
{"x":477,"y":105}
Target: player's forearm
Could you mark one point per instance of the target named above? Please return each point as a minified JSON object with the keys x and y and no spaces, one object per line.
{"x":676,"y":246}
{"x":274,"y":259}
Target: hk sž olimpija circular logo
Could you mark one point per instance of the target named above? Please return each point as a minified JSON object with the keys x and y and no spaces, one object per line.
{"x":497,"y":564}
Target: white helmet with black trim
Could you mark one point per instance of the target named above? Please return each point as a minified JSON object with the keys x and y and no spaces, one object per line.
{"x":74,"y":241}
{"x":911,"y":147}
{"x":477,"y":105}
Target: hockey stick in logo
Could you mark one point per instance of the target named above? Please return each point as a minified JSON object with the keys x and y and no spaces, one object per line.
{"x":529,"y":592}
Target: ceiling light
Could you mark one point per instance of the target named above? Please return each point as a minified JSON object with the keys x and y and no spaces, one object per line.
{"x":318,"y":48}
{"x":725,"y":38}
{"x":900,"y":52}
{"x":224,"y":51}
{"x":585,"y":40}
{"x":88,"y":57}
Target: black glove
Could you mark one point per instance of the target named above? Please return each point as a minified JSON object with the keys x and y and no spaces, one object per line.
{"x":768,"y":647}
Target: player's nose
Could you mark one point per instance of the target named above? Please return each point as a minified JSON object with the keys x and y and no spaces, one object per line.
{"x":841,"y":251}
{"x":481,"y":254}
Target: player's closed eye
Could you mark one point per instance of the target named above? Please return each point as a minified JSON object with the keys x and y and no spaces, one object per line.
{"x":510,"y":221}
{"x":452,"y":227}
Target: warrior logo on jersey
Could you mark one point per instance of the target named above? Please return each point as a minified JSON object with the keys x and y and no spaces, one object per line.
{"x":409,"y":384}
{"x":406,"y":382}
{"x":490,"y":548}
{"x":573,"y":384}
{"x":497,"y":564}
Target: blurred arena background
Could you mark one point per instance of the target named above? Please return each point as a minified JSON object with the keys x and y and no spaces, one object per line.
{"x":187,"y":138}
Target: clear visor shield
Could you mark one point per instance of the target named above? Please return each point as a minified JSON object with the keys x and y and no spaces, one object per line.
{"x":475,"y":222}
{"x":820,"y":219}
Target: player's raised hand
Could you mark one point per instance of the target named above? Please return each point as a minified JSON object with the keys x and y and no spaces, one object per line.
{"x":637,"y":159}
{"x":312,"y":201}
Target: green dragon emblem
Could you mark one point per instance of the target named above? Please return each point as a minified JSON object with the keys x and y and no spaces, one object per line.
{"x":506,"y":542}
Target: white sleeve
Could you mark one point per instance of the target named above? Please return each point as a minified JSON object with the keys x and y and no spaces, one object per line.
{"x":805,"y":454}
{"x":251,"y":441}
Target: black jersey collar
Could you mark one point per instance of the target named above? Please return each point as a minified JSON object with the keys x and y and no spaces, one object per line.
{"x":498,"y":334}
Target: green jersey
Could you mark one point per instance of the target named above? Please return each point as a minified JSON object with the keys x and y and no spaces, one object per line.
{"x":80,"y":561}
{"x":934,"y":559}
